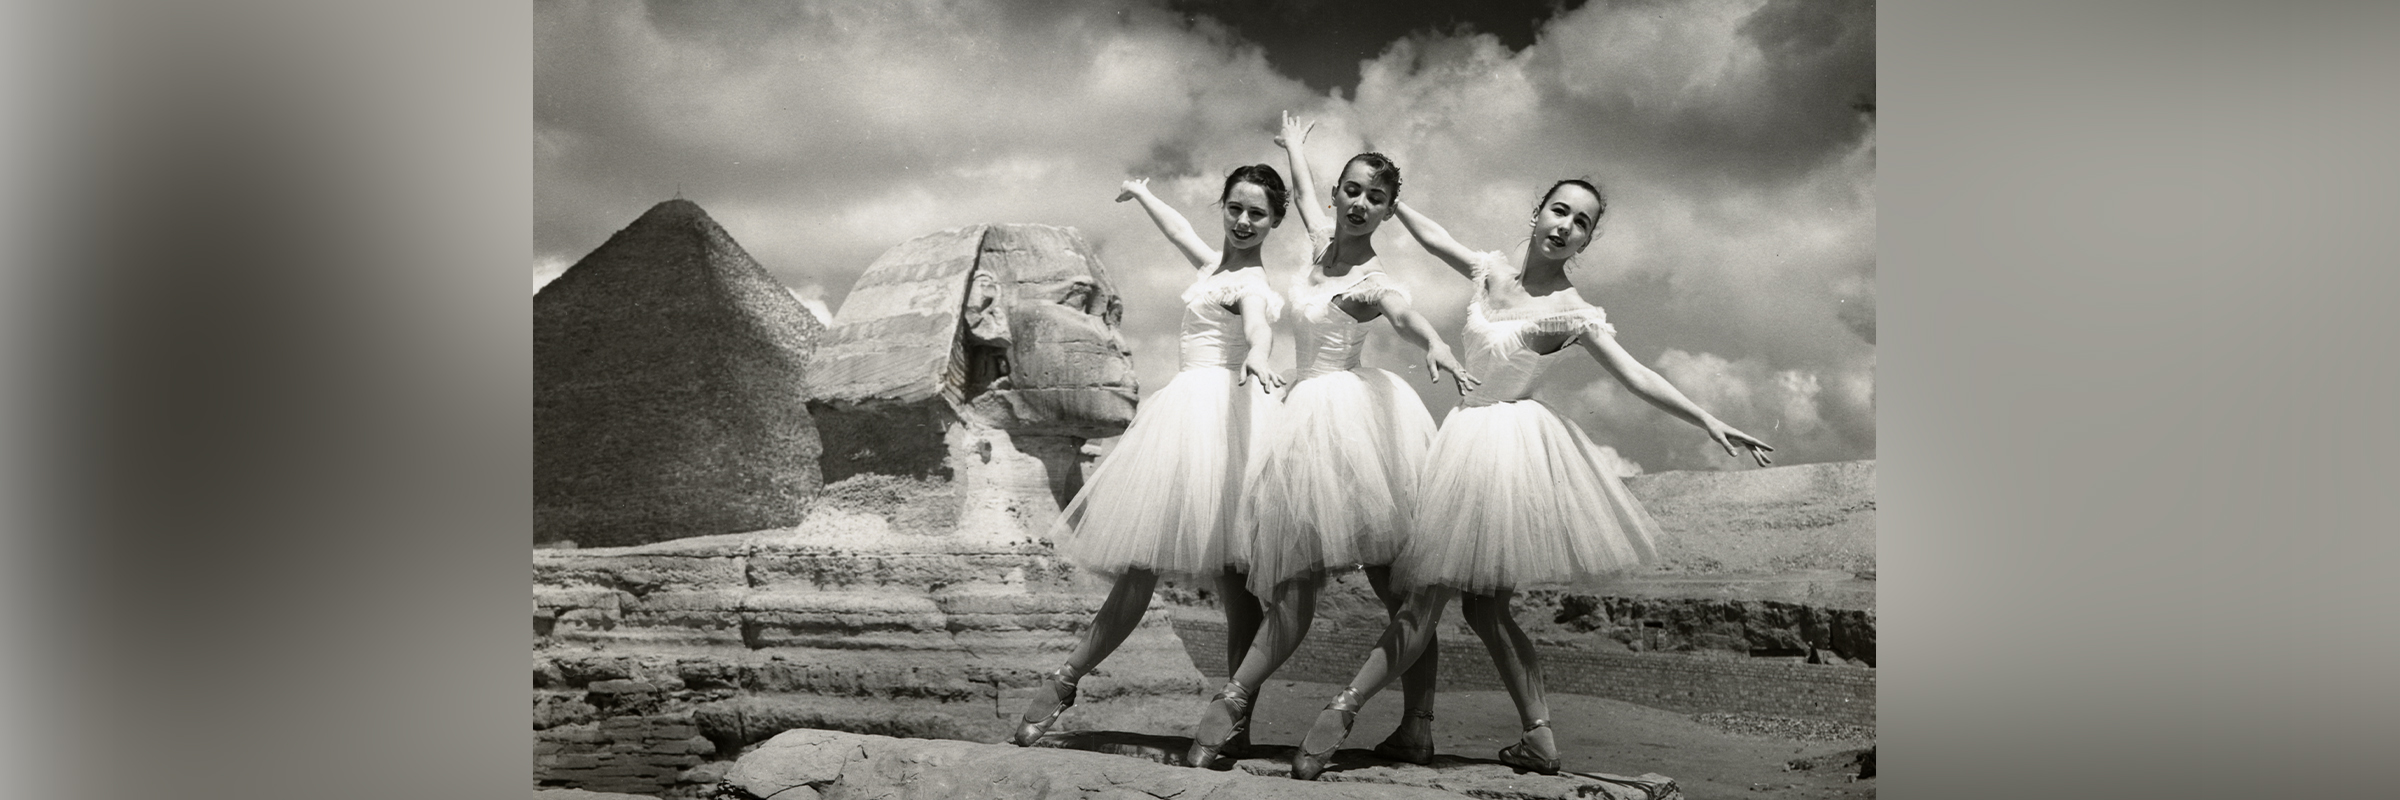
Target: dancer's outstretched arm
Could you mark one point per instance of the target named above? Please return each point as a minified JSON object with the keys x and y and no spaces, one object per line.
{"x":1436,"y":240}
{"x":1650,"y":386}
{"x":1178,"y":230}
{"x":1413,"y":327}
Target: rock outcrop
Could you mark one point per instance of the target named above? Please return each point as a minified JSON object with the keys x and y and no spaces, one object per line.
{"x":669,"y":390}
{"x":812,"y":764}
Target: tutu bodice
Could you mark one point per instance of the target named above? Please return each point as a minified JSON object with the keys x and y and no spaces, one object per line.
{"x":1328,"y":339}
{"x":1495,"y":342}
{"x":1212,"y":325}
{"x":1344,"y":455}
{"x":1167,"y":498}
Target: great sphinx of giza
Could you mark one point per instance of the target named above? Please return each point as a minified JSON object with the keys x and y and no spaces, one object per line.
{"x":956,"y":394}
{"x":985,"y":355}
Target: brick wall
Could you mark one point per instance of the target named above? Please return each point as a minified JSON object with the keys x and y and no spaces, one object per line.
{"x":1692,"y":684}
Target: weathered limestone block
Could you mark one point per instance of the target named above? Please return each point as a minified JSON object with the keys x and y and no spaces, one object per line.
{"x":815,"y":763}
{"x":669,"y":389}
{"x":640,"y":572}
{"x":584,"y":794}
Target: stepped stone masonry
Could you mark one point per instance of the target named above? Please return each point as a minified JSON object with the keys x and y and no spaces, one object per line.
{"x":669,"y":388}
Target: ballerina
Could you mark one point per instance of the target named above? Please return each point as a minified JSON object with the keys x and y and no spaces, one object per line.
{"x":1165,"y":500}
{"x":1513,"y":495}
{"x":1332,"y":491}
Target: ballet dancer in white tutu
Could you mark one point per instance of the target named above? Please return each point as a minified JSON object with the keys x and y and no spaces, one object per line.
{"x":1165,"y":499}
{"x":1512,"y":495}
{"x":1333,"y":488}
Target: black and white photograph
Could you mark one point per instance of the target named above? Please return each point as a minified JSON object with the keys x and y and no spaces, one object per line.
{"x":1198,"y":399}
{"x":1045,"y":399}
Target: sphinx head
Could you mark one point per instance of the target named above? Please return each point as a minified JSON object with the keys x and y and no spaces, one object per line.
{"x":1010,"y":329}
{"x":1044,"y":355}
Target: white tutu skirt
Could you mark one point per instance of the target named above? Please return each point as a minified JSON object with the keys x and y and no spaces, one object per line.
{"x":1167,"y":497}
{"x":1333,"y":489}
{"x":1513,"y":496}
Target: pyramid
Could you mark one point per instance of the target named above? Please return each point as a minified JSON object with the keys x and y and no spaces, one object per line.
{"x":670,"y":390}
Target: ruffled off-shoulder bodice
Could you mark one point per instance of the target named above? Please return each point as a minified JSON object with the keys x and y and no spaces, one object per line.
{"x":1495,"y":341}
{"x":1329,"y":340}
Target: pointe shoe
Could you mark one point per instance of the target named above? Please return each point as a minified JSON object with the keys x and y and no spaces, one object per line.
{"x":1029,"y":728}
{"x":1215,"y":733}
{"x":1522,"y":755}
{"x":1239,"y":746}
{"x":1400,"y":746}
{"x":1342,"y":712}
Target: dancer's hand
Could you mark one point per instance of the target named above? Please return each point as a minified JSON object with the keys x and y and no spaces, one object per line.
{"x":1439,"y":360}
{"x":1725,"y":436}
{"x":1293,"y":132}
{"x":1132,"y":188}
{"x":1256,"y":367}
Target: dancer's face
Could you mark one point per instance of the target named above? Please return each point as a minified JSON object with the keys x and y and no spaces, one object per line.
{"x":1568,"y":221}
{"x":1247,"y":215}
{"x":1360,"y":202}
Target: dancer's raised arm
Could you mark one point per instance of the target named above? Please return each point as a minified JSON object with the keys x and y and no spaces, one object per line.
{"x":1436,"y":240}
{"x":1304,"y":185}
{"x":1178,"y":230}
{"x":1650,"y":386}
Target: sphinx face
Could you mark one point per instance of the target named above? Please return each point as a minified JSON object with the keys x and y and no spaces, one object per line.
{"x":1043,"y":306}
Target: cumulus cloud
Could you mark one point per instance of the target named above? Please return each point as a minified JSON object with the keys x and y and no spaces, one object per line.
{"x":1740,"y":174}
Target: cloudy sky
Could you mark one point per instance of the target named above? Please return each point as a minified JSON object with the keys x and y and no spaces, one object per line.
{"x":1736,"y":139}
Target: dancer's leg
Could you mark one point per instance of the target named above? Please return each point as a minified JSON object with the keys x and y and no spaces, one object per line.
{"x":1404,"y":641}
{"x":1520,"y":668}
{"x":1128,"y":599}
{"x":1227,"y":715}
{"x":1244,"y":614}
{"x":1413,"y":739}
{"x":1290,"y":612}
